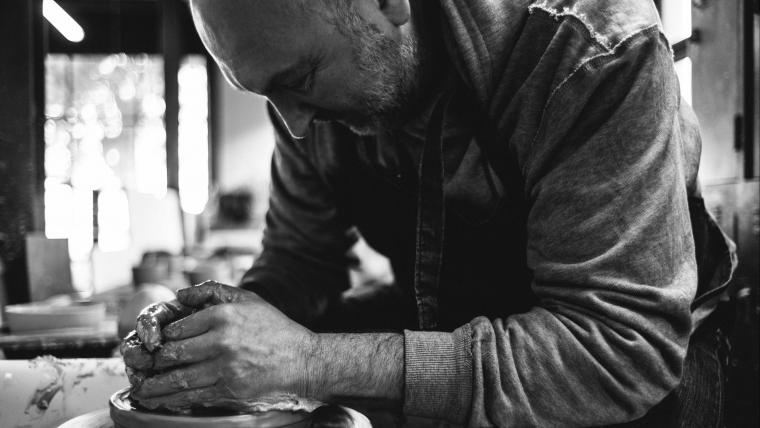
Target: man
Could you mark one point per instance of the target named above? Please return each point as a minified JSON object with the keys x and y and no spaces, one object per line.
{"x":529,"y":169}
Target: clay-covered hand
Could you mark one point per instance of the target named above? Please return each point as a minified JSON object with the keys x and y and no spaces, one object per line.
{"x":136,"y":356}
{"x":140,"y":345}
{"x":153,"y":318}
{"x":237,"y":349}
{"x":137,"y":359}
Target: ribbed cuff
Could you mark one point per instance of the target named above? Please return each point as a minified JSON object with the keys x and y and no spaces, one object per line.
{"x":438,"y":374}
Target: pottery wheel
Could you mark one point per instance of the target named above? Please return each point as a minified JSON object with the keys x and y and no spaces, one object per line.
{"x":125,"y":415}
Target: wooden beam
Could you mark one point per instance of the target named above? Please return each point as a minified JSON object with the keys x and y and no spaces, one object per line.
{"x":21,"y":138}
{"x":171,"y":48}
{"x":214,"y":119}
{"x":750,"y":91}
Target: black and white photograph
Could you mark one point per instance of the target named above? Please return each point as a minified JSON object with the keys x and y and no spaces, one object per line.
{"x":379,"y":213}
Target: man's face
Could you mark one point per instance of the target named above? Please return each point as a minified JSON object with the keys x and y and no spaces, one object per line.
{"x":326,"y":65}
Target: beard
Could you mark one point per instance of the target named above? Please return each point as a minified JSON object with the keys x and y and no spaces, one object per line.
{"x":390,"y":72}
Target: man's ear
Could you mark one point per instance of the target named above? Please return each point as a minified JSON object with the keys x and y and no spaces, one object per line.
{"x":396,"y":11}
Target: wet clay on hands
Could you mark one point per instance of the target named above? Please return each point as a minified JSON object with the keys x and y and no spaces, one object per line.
{"x":135,"y":355}
{"x":145,"y":356}
{"x":138,"y":347}
{"x":152,"y":319}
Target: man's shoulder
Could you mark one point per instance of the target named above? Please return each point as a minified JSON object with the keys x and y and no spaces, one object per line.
{"x":607,"y":23}
{"x":503,"y":22}
{"x":496,"y":44}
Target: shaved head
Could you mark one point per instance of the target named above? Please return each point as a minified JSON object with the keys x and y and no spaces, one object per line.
{"x":343,"y":60}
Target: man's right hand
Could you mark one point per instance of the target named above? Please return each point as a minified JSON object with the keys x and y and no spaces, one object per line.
{"x":139,"y":346}
{"x":143,"y":349}
{"x":153,"y":318}
{"x":136,"y":356}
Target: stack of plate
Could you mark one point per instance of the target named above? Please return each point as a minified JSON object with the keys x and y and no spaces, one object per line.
{"x":47,"y":316}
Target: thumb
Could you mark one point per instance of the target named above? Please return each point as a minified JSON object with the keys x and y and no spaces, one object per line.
{"x":208,"y":293}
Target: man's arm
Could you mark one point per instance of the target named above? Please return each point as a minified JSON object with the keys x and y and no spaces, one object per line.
{"x":240,"y":352}
{"x":304,"y":263}
{"x":358,"y":368}
{"x":611,"y":249}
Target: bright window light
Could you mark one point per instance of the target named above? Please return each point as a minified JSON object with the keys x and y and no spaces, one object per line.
{"x":81,"y":235}
{"x":113,"y":220}
{"x":193,"y":135}
{"x":104,"y":133}
{"x":676,"y":19}
{"x":62,"y":21}
{"x":683,"y":70}
{"x":59,"y":209}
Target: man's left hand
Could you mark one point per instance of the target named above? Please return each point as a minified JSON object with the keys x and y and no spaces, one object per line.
{"x":235,"y":350}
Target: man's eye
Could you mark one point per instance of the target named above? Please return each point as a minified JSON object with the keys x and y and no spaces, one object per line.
{"x":303,"y":84}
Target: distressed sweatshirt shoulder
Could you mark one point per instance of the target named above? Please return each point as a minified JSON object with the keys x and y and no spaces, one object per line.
{"x":499,"y":45}
{"x":608,"y":23}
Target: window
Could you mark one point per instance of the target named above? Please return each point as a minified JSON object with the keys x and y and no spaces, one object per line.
{"x":105,"y":137}
{"x":676,"y":22}
{"x":193,"y":134}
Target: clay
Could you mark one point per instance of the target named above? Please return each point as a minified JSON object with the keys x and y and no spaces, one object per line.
{"x":40,"y":392}
{"x":136,"y":378}
{"x":126,"y":413}
{"x":135,"y":354}
{"x":154,"y":317}
{"x":197,"y":407}
{"x":138,"y":350}
{"x":44,"y":395}
{"x":145,"y":295}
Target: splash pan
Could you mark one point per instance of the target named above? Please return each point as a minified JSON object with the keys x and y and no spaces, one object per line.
{"x":126,"y":415}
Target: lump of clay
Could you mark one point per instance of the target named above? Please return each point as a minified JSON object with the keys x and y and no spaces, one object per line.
{"x":144,"y":296}
{"x":152,"y":319}
{"x":135,"y":355}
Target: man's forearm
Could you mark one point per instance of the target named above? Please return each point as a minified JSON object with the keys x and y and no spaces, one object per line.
{"x":350,"y":368}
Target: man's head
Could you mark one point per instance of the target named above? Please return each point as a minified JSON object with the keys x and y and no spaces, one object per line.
{"x":355,"y":61}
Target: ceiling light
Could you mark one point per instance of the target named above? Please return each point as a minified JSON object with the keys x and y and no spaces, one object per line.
{"x":62,"y":21}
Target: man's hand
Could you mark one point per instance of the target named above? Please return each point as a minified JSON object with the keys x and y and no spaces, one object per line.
{"x":236,"y":349}
{"x":154,"y":317}
{"x":136,"y":356}
{"x":138,"y":346}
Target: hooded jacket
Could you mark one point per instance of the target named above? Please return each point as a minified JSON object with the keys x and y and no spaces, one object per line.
{"x":565,"y":271}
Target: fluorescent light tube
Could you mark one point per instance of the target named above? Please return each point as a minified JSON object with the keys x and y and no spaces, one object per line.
{"x":62,"y":21}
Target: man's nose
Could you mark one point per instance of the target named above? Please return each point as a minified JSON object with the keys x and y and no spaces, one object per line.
{"x":295,"y":116}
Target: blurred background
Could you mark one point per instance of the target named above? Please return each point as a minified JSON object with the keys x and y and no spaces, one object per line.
{"x":129,"y":168}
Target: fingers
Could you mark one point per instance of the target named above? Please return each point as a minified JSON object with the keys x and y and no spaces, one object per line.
{"x":135,"y":377}
{"x":130,"y":339}
{"x":154,"y":317}
{"x":171,"y":311}
{"x":192,"y":350}
{"x":212,"y":293}
{"x":149,"y":324}
{"x":195,"y":324}
{"x":192,"y":377}
{"x":135,"y":355}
